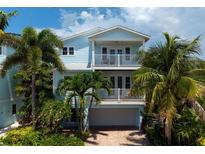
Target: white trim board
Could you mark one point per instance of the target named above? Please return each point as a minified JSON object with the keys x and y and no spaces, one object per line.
{"x":83,"y":33}
{"x":116,"y":68}
{"x":147,"y":37}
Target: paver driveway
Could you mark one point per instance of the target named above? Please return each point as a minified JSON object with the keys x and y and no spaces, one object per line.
{"x":116,"y":137}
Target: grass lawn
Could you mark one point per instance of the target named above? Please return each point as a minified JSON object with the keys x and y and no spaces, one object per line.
{"x":25,"y":136}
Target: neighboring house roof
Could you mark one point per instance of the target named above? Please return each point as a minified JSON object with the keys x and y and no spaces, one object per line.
{"x":88,"y":32}
{"x":147,"y":37}
{"x":14,"y":34}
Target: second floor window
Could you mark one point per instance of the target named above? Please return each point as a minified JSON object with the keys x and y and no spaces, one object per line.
{"x":104,"y":50}
{"x":127,"y":53}
{"x":68,"y":51}
{"x":65,"y":51}
{"x":1,"y":50}
{"x":71,"y":51}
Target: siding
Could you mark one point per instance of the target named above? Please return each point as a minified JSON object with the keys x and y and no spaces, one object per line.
{"x":7,"y":93}
{"x":118,"y":35}
{"x":82,"y":51}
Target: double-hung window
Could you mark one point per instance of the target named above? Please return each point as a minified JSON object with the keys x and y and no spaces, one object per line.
{"x":71,"y":51}
{"x":127,"y":82}
{"x":127,"y":53}
{"x":68,"y":51}
{"x":104,"y":56}
{"x":14,"y":109}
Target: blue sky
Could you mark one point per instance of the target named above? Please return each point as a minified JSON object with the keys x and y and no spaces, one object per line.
{"x":187,"y":23}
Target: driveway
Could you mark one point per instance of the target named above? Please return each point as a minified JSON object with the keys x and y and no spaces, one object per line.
{"x":116,"y":137}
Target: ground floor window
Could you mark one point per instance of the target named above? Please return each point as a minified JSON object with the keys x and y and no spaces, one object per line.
{"x":1,"y":50}
{"x":14,"y":109}
{"x":127,"y":82}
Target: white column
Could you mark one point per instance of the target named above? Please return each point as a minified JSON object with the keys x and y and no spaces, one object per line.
{"x":140,"y":109}
{"x":143,"y":47}
{"x":93,"y":54}
{"x":118,"y":60}
{"x":118,"y":94}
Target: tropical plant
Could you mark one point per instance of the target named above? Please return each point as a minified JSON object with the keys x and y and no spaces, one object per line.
{"x":52,"y":113}
{"x":188,"y":127}
{"x":80,"y":86}
{"x":168,"y":78}
{"x":4,"y":19}
{"x":44,"y":89}
{"x":25,"y":136}
{"x":99,"y":81}
{"x":31,"y":50}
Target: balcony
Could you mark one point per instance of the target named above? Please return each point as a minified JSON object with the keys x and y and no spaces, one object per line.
{"x":116,"y":60}
{"x":119,"y":95}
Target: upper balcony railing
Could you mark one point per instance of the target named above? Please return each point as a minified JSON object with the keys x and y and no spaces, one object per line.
{"x":118,"y":94}
{"x":115,"y":60}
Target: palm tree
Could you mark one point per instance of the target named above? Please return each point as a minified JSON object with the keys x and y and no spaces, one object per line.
{"x":99,"y":81}
{"x":31,"y":49}
{"x":4,"y":18}
{"x":168,"y":77}
{"x":80,"y":85}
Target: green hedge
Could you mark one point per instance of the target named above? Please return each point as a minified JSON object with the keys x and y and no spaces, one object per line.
{"x":201,"y":141}
{"x":26,"y":137}
{"x":155,"y":135}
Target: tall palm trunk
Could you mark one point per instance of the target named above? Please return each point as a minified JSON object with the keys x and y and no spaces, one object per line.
{"x":33,"y":101}
{"x":168,"y":133}
{"x":77,"y":112}
{"x":81,"y":115}
{"x":89,"y":108}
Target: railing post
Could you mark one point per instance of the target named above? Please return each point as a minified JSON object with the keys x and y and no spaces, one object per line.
{"x":93,"y":54}
{"x":118,"y":60}
{"x":118,"y":94}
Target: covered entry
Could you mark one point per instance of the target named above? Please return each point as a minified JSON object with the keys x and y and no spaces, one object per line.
{"x":113,"y":117}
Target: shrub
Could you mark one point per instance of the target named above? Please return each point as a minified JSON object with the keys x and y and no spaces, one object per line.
{"x":62,"y":140}
{"x":22,"y":136}
{"x":26,"y":137}
{"x":188,"y":128}
{"x":155,"y":135}
{"x":201,"y":141}
{"x":52,"y":113}
{"x":83,"y":135}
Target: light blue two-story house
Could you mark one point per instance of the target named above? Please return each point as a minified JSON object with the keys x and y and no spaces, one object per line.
{"x":112,"y":51}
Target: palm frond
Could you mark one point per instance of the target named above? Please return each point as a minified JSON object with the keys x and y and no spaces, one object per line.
{"x":189,"y":88}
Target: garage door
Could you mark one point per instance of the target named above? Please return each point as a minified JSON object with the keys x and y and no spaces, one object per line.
{"x":112,"y":117}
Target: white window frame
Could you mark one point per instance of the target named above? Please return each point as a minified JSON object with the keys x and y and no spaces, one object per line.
{"x":114,"y":47}
{"x":126,"y":82}
{"x":128,"y":58}
{"x":68,"y":51}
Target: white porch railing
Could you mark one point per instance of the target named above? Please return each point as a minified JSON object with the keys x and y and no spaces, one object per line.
{"x":115,"y":60}
{"x":118,"y":94}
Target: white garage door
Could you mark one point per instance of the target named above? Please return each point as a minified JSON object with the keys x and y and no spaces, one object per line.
{"x":112,"y":117}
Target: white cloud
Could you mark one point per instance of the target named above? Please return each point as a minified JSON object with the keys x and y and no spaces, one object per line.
{"x":185,"y":22}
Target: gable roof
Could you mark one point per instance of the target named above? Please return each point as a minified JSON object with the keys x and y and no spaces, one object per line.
{"x":147,"y":37}
{"x":87,"y":32}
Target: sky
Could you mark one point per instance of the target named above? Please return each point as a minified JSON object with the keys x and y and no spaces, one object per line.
{"x":187,"y":23}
